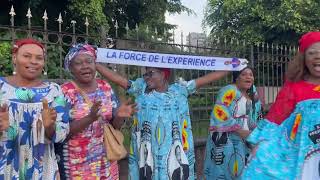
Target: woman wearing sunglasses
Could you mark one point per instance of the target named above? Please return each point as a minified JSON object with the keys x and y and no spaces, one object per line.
{"x":161,"y":124}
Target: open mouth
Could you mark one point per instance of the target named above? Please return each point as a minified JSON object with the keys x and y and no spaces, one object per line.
{"x":32,"y":69}
{"x":86,"y":74}
{"x":316,"y":66}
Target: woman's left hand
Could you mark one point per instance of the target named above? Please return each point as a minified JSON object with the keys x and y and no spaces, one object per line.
{"x":126,"y":109}
{"x":49,"y":115}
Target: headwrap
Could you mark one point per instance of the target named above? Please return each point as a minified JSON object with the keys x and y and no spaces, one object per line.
{"x":236,"y":74}
{"x":25,"y":41}
{"x":79,"y":49}
{"x":307,"y":40}
{"x":166,"y":72}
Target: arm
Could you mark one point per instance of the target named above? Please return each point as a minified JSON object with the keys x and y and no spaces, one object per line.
{"x":208,"y":78}
{"x":121,"y":111}
{"x":112,"y":76}
{"x":78,"y":126}
{"x":59,"y":113}
{"x":221,"y":116}
{"x":280,"y":110}
{"x":243,"y":133}
{"x":283,"y":105}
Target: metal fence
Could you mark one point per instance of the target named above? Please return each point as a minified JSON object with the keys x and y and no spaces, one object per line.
{"x":268,"y":60}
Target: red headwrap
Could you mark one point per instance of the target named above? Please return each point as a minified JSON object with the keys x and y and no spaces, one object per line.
{"x":307,"y":40}
{"x":166,"y":72}
{"x":22,"y":42}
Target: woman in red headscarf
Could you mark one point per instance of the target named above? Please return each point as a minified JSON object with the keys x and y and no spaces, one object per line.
{"x":288,"y":138}
{"x":162,"y":125}
{"x":33,"y":116}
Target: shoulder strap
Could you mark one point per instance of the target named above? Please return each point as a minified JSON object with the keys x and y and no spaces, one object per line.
{"x":83,"y":94}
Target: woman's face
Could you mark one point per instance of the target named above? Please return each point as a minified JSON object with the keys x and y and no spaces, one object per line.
{"x":312,"y":60}
{"x":29,"y":61}
{"x":154,"y":78}
{"x":245,"y":79}
{"x":83,"y":68}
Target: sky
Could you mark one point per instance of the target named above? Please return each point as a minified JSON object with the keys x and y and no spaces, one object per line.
{"x":187,"y":23}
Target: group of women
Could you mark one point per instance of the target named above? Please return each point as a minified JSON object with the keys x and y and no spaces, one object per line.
{"x":49,"y":131}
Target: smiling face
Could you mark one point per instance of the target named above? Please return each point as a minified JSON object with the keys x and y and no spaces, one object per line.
{"x":29,"y":61}
{"x":312,"y":60}
{"x":83,"y":68}
{"x":154,"y":78}
{"x":245,"y":79}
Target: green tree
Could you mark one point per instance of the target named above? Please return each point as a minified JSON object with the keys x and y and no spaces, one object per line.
{"x":277,"y":21}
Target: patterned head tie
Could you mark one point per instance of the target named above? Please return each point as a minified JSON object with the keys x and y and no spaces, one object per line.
{"x":79,"y":49}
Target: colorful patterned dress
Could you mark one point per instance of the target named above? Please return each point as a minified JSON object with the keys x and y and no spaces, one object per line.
{"x":289,"y":137}
{"x":83,"y":156}
{"x":25,"y":151}
{"x":226,"y":152}
{"x":161,"y":141}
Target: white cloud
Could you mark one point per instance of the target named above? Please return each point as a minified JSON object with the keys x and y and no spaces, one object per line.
{"x":187,"y":23}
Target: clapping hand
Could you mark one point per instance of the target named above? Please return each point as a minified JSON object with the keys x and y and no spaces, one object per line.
{"x":4,"y":117}
{"x":49,"y":115}
{"x":94,"y":111}
{"x":126,"y":109}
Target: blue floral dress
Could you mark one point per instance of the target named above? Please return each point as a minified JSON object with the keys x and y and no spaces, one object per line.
{"x":289,"y":137}
{"x":161,"y":141}
{"x":25,"y":151}
{"x":226,"y":152}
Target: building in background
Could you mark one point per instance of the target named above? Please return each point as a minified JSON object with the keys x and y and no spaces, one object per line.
{"x":196,"y":39}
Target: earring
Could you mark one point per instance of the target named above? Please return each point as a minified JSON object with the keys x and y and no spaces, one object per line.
{"x":14,"y":70}
{"x":45,"y":72}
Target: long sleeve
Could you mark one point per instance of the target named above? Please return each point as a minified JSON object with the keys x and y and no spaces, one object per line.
{"x":137,"y":87}
{"x":221,"y":116}
{"x":62,"y":123}
{"x":279,"y":111}
{"x":283,"y":106}
{"x":256,"y":115}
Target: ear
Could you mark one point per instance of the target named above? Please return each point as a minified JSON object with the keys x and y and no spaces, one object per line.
{"x":14,"y":59}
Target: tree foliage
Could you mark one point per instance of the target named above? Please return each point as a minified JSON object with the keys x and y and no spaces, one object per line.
{"x":99,"y":13}
{"x":279,"y":21}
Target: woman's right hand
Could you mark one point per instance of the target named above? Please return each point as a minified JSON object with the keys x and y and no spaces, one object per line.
{"x":94,"y":111}
{"x":4,"y":117}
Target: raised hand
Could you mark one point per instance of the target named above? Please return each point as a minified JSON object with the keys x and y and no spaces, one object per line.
{"x":94,"y":111}
{"x":4,"y":117}
{"x":126,"y":109}
{"x":49,"y":115}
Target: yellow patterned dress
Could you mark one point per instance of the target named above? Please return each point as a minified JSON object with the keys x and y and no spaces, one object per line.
{"x":226,"y":152}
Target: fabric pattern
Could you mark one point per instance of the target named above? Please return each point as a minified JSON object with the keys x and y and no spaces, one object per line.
{"x":79,"y":49}
{"x":83,"y":156}
{"x":288,"y":147}
{"x":25,"y":152}
{"x":227,"y":153}
{"x":161,"y":141}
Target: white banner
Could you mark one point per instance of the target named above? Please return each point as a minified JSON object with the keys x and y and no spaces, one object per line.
{"x":175,"y":61}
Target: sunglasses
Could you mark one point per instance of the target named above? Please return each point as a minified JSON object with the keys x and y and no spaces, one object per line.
{"x":150,"y":74}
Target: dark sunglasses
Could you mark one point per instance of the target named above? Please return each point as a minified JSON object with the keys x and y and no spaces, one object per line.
{"x":149,"y":74}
